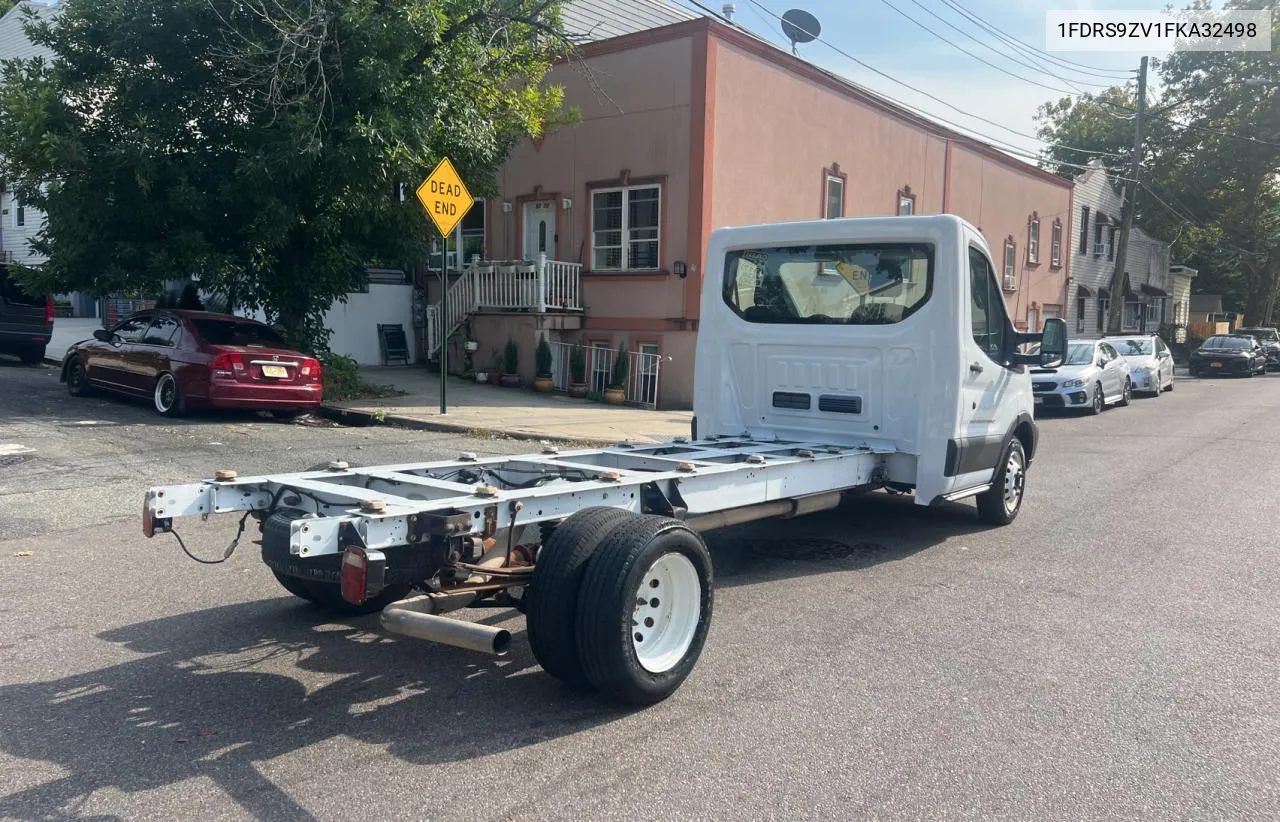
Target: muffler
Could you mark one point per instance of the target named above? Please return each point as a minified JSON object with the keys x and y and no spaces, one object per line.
{"x":400,"y":620}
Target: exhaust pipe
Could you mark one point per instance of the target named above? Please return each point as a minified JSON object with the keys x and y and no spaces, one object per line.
{"x":446,"y":631}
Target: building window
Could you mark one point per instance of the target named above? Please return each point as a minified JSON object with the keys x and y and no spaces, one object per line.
{"x":1033,"y":321}
{"x":1131,"y":314}
{"x":906,"y":202}
{"x":19,"y":213}
{"x":1111,"y":243}
{"x":624,"y":228}
{"x":1104,"y":308}
{"x":1055,"y":247}
{"x":835,"y":197}
{"x":1084,"y":229}
{"x":1010,"y":262}
{"x":1033,"y":239}
{"x":1080,"y":312}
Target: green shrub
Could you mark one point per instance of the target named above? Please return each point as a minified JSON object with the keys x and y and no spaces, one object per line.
{"x":621,"y":367}
{"x":542,"y":357}
{"x":578,"y":364}
{"x":511,"y":357}
{"x":341,"y":377}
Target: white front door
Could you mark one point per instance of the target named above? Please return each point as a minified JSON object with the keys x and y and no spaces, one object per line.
{"x":539,"y":229}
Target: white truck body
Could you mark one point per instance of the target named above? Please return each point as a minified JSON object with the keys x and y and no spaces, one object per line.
{"x":833,"y":355}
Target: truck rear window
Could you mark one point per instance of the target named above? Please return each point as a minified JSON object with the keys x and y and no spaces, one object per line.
{"x":856,"y":284}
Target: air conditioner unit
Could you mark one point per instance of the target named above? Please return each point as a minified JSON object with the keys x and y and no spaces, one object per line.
{"x":1099,"y":249}
{"x":1009,"y":282}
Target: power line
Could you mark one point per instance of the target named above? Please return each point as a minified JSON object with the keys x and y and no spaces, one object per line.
{"x":982,"y":60}
{"x":1075,"y":84}
{"x":1189,"y":126}
{"x":891,"y":78}
{"x":1031,"y":50}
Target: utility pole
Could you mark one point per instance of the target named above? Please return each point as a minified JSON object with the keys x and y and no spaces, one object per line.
{"x":1116,"y":311}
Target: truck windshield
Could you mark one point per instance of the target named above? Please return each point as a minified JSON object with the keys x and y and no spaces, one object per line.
{"x":862,"y":284}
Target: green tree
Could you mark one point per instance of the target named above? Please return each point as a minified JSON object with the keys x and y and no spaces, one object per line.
{"x":1211,"y":159}
{"x":262,"y":146}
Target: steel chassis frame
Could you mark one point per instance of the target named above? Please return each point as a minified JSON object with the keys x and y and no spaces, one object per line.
{"x":389,"y":506}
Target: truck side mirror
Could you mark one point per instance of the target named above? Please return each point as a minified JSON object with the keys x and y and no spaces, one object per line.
{"x":1053,"y":343}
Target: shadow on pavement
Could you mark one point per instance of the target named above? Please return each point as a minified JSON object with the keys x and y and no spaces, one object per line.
{"x":208,"y":700}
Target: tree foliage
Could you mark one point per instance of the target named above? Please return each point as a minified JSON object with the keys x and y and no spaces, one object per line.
{"x":1210,"y":163}
{"x":263,"y":146}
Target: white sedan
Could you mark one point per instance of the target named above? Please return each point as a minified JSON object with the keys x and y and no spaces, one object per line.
{"x":1150,"y":362}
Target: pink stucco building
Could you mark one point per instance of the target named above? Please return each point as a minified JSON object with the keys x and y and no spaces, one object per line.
{"x":695,"y":125}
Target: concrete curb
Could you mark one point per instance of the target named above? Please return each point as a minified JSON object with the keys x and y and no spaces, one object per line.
{"x":353,"y":417}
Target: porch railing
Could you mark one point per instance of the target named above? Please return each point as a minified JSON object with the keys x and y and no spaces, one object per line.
{"x":642,"y":381}
{"x":505,"y":285}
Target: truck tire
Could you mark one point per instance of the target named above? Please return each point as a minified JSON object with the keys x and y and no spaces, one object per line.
{"x":1000,"y":505}
{"x":644,"y":610}
{"x":551,"y":602}
{"x":322,"y":586}
{"x":294,"y":585}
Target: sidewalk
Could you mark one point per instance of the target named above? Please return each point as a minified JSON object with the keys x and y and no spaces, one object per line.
{"x":512,"y":412}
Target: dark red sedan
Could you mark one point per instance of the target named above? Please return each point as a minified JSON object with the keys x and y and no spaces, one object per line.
{"x":194,"y":359}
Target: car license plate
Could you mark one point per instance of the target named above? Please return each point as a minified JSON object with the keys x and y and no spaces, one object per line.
{"x":1215,"y":365}
{"x":275,"y":371}
{"x":1039,"y":400}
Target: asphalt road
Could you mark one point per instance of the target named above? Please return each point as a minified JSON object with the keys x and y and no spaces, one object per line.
{"x":1111,"y":655}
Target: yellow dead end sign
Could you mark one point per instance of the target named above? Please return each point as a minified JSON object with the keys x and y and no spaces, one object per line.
{"x":445,"y":197}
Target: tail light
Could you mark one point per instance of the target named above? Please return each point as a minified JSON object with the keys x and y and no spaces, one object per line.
{"x":48,"y":310}
{"x":310,"y":370}
{"x":363,"y":574}
{"x":228,"y":366}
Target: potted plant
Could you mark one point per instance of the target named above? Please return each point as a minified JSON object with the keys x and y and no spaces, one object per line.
{"x":578,"y":372}
{"x":542,"y":366}
{"x":616,"y":392}
{"x":510,"y":365}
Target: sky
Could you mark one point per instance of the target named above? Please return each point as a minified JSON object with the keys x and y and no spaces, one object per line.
{"x":875,"y":33}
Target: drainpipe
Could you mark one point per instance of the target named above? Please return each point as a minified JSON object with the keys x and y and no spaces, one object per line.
{"x":946,"y":180}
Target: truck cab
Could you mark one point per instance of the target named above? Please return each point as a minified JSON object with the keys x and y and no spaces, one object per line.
{"x":885,"y":332}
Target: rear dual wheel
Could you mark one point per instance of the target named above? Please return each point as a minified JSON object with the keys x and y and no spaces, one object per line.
{"x":622,"y":603}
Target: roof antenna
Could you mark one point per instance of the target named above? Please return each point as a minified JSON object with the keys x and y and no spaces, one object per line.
{"x":800,"y":27}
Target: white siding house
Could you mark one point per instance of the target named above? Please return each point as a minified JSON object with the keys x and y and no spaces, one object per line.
{"x":1096,"y":224}
{"x":19,"y":223}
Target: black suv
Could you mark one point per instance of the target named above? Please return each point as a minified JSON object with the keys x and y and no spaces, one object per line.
{"x":1269,"y":338}
{"x":26,"y":322}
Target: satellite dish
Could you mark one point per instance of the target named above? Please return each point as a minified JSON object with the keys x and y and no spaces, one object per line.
{"x":800,"y":27}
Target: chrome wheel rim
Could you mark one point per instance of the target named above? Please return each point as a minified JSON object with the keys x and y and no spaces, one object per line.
{"x":1015,"y":477}
{"x":668,"y":603}
{"x":1098,"y":400}
{"x":166,"y":393}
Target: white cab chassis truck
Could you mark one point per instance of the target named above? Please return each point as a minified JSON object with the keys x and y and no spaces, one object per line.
{"x":833,"y":356}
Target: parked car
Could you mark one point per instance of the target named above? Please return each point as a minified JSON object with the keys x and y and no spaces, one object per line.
{"x":1269,"y":339}
{"x":1150,"y":362}
{"x":26,"y":322}
{"x":195,"y":359}
{"x":1093,"y":376}
{"x":1237,"y":354}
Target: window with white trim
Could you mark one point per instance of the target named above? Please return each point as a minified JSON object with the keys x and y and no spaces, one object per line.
{"x":835,"y":197}
{"x":1033,"y":240}
{"x":625,"y":225}
{"x":19,"y":212}
{"x":1010,"y":263}
{"x":1055,"y":247}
